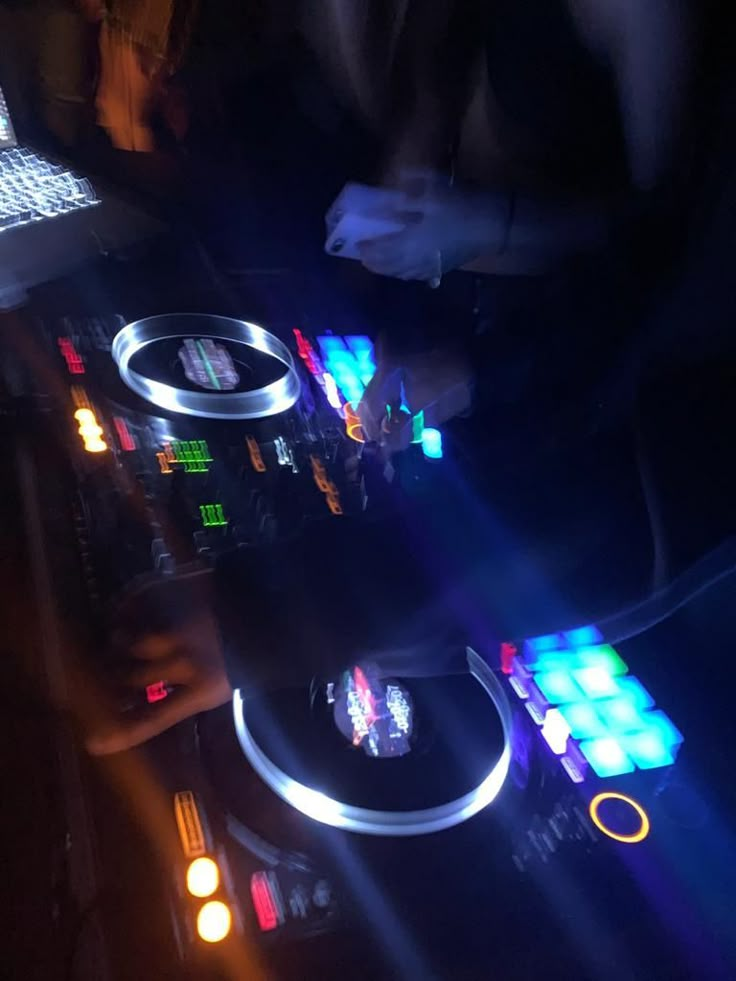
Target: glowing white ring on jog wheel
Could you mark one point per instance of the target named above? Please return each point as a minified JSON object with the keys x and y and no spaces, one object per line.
{"x":363,"y":820}
{"x":270,"y":400}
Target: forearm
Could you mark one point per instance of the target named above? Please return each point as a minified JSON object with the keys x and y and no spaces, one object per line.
{"x":437,"y":62}
{"x":276,"y":628}
{"x":648,"y":46}
{"x":519,"y":233}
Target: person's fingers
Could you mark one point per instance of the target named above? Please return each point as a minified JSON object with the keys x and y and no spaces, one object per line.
{"x":403,"y":272}
{"x":382,"y":245}
{"x":413,"y":216}
{"x":382,"y":267}
{"x":378,"y":269}
{"x":382,"y":390}
{"x":404,"y":255}
{"x":132,"y":730}
{"x":440,"y":383}
{"x":435,"y":382}
{"x":423,"y":272}
{"x":173,"y":670}
{"x":161,"y":604}
{"x":155,"y":646}
{"x":386,"y":255}
{"x":397,"y":435}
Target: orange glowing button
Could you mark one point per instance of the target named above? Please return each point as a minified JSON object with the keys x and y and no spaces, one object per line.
{"x":203,"y":877}
{"x":333,"y":503}
{"x":255,"y":454}
{"x":631,"y":839}
{"x":214,"y":922}
{"x":323,"y":482}
{"x":90,"y":431}
{"x":80,"y":397}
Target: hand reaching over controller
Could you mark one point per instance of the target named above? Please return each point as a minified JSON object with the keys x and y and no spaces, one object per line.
{"x":166,"y":633}
{"x":437,"y":383}
{"x":445,"y":229}
{"x":441,"y":228}
{"x":262,"y":620}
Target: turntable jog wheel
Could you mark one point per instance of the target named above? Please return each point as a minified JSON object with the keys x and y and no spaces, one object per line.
{"x":400,"y":823}
{"x":270,"y":400}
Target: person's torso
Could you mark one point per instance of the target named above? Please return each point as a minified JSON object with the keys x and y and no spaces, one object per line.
{"x":551,"y":103}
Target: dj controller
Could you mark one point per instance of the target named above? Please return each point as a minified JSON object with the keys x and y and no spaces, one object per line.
{"x":533,"y":816}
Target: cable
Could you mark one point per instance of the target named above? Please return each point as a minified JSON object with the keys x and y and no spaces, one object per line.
{"x":654,"y":511}
{"x":707,"y":572}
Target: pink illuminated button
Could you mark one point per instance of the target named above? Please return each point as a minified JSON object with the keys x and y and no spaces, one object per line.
{"x":156,"y":692}
{"x":508,"y":653}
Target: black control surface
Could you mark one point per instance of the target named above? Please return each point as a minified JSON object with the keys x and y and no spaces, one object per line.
{"x":530,"y":885}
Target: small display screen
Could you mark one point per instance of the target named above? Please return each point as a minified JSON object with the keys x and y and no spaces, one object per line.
{"x":374,"y":713}
{"x":7,"y":136}
{"x":208,"y":365}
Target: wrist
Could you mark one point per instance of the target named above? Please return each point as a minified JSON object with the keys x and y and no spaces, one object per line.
{"x":490,"y":220}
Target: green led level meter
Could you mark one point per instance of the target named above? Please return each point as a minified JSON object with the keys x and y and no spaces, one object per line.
{"x":212,"y":515}
{"x":193,"y":453}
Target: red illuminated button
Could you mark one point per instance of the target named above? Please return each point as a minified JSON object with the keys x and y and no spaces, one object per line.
{"x":126,"y":440}
{"x":508,"y":653}
{"x":74,"y":360}
{"x":265,"y":901}
{"x":156,"y":692}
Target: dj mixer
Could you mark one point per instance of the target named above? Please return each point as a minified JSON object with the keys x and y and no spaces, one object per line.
{"x":528,"y":817}
{"x":157,"y":495}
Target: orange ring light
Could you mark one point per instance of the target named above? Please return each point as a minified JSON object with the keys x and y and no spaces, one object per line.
{"x":353,"y":429}
{"x":633,"y":839}
{"x":353,"y":425}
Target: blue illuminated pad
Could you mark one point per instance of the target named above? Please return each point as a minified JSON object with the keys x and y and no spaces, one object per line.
{"x":583,"y":636}
{"x":620,"y":714}
{"x":583,"y":720}
{"x":608,"y":712}
{"x":558,"y":686}
{"x":606,"y":756}
{"x":351,"y":362}
{"x":648,"y":749}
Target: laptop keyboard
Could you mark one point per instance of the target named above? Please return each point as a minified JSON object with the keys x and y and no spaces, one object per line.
{"x":33,"y":188}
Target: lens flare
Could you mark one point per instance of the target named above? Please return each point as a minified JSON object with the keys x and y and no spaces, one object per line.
{"x":214,"y":922}
{"x":203,"y":877}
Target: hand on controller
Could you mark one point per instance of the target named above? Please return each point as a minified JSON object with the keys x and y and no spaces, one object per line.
{"x":445,"y":228}
{"x":166,"y":632}
{"x":437,"y":383}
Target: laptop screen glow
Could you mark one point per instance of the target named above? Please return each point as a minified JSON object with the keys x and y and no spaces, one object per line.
{"x":7,"y":134}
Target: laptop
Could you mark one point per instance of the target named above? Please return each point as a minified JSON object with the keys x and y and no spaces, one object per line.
{"x":35,"y":249}
{"x":32,"y":188}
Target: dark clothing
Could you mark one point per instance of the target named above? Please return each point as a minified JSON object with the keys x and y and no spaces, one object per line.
{"x":344,"y":591}
{"x":559,"y":115}
{"x":555,"y":118}
{"x":470,"y":552}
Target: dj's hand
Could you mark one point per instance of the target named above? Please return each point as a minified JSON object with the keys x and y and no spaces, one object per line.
{"x":166,"y":633}
{"x":437,"y":383}
{"x":446,"y":228}
{"x":92,"y":10}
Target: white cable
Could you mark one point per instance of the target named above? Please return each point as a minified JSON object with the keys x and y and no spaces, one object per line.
{"x":706,"y":573}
